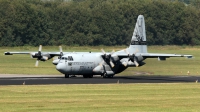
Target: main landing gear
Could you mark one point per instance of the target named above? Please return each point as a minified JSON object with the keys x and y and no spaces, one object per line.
{"x":87,"y":76}
{"x":107,"y":76}
{"x":91,"y":76}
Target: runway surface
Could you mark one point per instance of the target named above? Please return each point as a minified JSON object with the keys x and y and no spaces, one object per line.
{"x":59,"y":79}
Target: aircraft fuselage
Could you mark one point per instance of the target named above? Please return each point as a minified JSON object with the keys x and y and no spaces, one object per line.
{"x":85,"y":64}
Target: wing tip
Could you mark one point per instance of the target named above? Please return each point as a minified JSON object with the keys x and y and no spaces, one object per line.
{"x":7,"y":53}
{"x":189,"y":57}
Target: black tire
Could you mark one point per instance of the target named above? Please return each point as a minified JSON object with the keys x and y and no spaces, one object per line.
{"x":90,"y":76}
{"x":66,"y":75}
{"x":85,"y":76}
{"x":104,"y":76}
{"x":110,"y":76}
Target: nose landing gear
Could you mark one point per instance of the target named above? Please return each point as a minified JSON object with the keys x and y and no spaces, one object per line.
{"x":66,"y":75}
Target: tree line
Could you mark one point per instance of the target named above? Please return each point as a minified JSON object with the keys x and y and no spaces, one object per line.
{"x":96,"y":22}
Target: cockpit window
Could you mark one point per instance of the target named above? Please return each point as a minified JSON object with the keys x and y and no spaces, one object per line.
{"x":64,"y":58}
{"x":70,"y":58}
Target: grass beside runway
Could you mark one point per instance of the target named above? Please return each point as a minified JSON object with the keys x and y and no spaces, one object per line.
{"x":23,"y":64}
{"x":181,"y":97}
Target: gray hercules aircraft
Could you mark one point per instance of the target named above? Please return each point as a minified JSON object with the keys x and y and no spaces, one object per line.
{"x":102,"y":63}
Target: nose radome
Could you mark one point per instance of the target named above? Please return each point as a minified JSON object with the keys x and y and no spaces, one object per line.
{"x":59,"y":67}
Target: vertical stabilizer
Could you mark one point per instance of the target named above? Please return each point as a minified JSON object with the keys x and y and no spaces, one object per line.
{"x":138,"y":41}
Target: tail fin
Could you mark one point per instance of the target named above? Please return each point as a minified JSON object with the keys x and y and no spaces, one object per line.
{"x":138,"y":41}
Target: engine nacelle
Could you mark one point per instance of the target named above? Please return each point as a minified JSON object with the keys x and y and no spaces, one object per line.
{"x":55,"y":62}
{"x":115,"y":57}
{"x":127,"y":62}
{"x":44,"y":58}
{"x":139,"y":58}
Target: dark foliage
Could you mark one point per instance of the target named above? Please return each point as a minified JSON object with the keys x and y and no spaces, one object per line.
{"x":97,"y":22}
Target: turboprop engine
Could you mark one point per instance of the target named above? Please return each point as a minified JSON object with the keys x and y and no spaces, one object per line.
{"x":56,"y":60}
{"x":135,"y":61}
{"x":44,"y":56}
{"x":40,"y":56}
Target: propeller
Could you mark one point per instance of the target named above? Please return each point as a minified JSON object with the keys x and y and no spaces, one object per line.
{"x":108,"y":58}
{"x":132,"y":58}
{"x":39,"y":56}
{"x":61,"y":52}
{"x":43,"y":57}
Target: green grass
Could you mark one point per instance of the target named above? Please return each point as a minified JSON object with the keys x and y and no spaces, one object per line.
{"x":23,"y":64}
{"x":181,"y":97}
{"x":101,"y":98}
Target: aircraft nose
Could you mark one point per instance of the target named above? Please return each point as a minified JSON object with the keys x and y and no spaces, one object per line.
{"x":59,"y":67}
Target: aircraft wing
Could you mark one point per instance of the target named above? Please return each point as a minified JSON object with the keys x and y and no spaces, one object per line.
{"x":11,"y":53}
{"x":44,"y":53}
{"x":155,"y":55}
{"x":50,"y":53}
{"x":163,"y":56}
{"x":160,"y":56}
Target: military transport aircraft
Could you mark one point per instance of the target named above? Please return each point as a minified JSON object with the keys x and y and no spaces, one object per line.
{"x":102,"y":63}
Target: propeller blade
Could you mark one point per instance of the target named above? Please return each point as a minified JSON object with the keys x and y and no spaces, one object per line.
{"x":103,"y":51}
{"x":101,"y":63}
{"x":126,"y":51}
{"x":46,"y":58}
{"x":61,"y":52}
{"x":136,"y":63}
{"x":112,"y":64}
{"x":40,"y":48}
{"x":36,"y":64}
{"x":124,"y":63}
{"x":60,"y":47}
{"x":113,"y":51}
{"x":32,"y":54}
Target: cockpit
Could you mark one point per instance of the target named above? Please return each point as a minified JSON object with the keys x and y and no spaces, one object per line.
{"x":63,"y":58}
{"x":69,"y":58}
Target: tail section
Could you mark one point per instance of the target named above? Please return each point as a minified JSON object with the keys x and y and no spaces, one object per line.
{"x":138,"y":41}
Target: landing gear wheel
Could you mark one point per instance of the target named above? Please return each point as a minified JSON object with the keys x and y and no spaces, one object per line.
{"x":90,"y":76}
{"x":111,"y":76}
{"x":85,"y":76}
{"x":104,"y":75}
{"x":66,"y":75}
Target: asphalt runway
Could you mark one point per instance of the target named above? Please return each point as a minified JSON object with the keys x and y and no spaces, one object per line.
{"x":59,"y":79}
